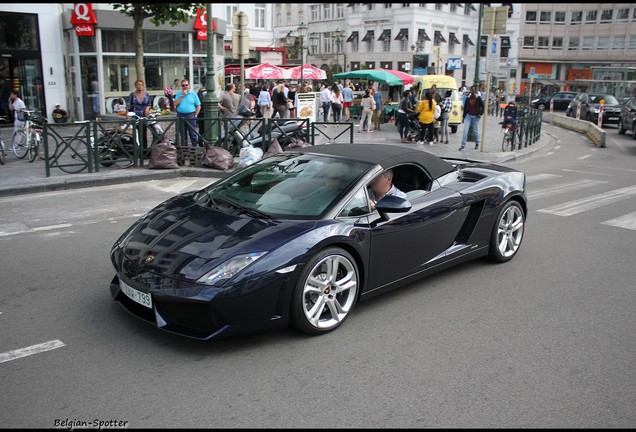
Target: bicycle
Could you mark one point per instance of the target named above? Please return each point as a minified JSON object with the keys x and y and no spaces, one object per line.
{"x":510,"y":136}
{"x":2,"y":146}
{"x":26,"y":140}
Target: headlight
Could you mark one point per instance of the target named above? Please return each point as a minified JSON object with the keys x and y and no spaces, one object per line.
{"x":595,"y":110}
{"x":534,"y":101}
{"x":220,"y":274}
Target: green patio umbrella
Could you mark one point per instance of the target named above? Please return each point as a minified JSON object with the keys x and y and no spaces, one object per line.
{"x":384,"y":76}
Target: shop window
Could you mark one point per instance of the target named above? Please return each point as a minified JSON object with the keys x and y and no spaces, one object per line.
{"x":19,"y":32}
{"x":121,"y":41}
{"x":162,"y":42}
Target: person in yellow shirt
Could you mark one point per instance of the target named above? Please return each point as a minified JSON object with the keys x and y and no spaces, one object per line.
{"x":426,"y":108}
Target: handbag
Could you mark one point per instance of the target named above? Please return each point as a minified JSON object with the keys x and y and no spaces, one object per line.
{"x":290,"y":105}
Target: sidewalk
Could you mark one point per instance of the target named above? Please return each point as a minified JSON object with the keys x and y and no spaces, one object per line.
{"x":19,"y":176}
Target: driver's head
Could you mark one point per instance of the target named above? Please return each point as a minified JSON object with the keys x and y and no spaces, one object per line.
{"x":383,"y":182}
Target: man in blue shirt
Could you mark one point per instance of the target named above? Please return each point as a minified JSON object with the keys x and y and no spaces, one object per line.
{"x":188,"y":106}
{"x":377,"y":114}
{"x":347,"y":100}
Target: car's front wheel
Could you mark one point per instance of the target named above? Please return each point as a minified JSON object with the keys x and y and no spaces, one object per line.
{"x":326,"y":293}
{"x":507,"y":233}
{"x":541,"y":106}
{"x":621,"y":127}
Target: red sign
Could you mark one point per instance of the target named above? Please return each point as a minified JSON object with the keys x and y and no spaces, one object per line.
{"x":201,"y":24}
{"x":83,"y":18}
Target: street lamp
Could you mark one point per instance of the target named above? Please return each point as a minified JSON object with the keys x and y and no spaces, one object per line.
{"x":313,"y":41}
{"x":291,"y":41}
{"x":336,"y":37}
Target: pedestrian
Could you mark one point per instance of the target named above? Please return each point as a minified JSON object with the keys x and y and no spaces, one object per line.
{"x":445,"y":106}
{"x":336,"y":103}
{"x":405,"y":108}
{"x":377,"y":113}
{"x":16,"y":105}
{"x":265,"y":102}
{"x":347,"y":101}
{"x":325,"y":102}
{"x":367,"y":105}
{"x":437,"y":97}
{"x":426,"y":108}
{"x":279,"y":101}
{"x":188,"y":106}
{"x":200,"y":117}
{"x":228,"y":104}
{"x":473,"y":110}
{"x":292,"y":102}
{"x":140,"y":102}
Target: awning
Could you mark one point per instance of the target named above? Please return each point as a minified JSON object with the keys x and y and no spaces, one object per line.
{"x":368,"y":37}
{"x":472,"y":6}
{"x":484,"y":40}
{"x":505,"y":41}
{"x":439,"y":37}
{"x":422,"y":36}
{"x":386,"y":35}
{"x":468,"y":41}
{"x":453,"y":39}
{"x":354,"y":35}
{"x":402,"y":34}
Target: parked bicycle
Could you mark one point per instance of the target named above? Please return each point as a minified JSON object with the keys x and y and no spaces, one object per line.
{"x":27,"y":138}
{"x":510,"y":135}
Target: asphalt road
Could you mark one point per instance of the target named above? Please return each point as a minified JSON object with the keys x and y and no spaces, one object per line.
{"x":544,"y":341}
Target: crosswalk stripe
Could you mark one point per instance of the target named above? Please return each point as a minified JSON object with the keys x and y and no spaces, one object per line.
{"x":562,"y":188}
{"x":589,"y":203}
{"x":33,"y":349}
{"x":539,"y":177}
{"x":626,"y":221}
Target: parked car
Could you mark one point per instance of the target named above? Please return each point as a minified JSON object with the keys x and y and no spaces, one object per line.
{"x":561,"y":100}
{"x":295,"y":239}
{"x":590,"y":105}
{"x":628,"y":117}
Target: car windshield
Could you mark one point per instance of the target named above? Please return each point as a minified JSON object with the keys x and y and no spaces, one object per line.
{"x":609,"y":99}
{"x":286,"y":186}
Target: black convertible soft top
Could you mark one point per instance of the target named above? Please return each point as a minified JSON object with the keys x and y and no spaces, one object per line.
{"x":384,"y":155}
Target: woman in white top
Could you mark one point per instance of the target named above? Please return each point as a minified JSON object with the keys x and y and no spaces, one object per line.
{"x":336,"y":103}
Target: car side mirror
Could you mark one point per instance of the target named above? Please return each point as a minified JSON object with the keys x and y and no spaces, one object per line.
{"x":392,"y":204}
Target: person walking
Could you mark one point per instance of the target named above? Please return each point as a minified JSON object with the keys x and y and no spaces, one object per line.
{"x":367,"y":105}
{"x":426,"y":108}
{"x":16,"y":105}
{"x":279,"y":101}
{"x":347,"y":101}
{"x":140,"y":102}
{"x":473,"y":110}
{"x":377,"y":113}
{"x":445,"y":106}
{"x":188,"y":106}
{"x":336,"y":103}
{"x":405,"y":108}
{"x":229,"y":103}
{"x":265,"y":102}
{"x":325,"y":102}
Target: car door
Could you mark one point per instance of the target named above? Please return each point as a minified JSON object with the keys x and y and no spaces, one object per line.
{"x":404,"y":244}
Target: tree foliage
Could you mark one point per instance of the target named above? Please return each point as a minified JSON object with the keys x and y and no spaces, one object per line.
{"x":158,"y":14}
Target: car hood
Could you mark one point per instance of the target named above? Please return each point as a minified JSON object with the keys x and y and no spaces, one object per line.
{"x":187,"y":240}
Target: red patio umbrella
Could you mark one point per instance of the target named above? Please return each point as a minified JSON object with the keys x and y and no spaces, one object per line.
{"x":308,"y":72}
{"x":265,"y":71}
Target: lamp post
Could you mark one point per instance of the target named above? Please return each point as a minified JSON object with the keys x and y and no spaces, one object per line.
{"x":291,"y":39}
{"x":210,"y":101}
{"x":336,"y":37}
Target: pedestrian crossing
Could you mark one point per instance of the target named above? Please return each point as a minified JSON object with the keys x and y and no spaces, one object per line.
{"x":597,"y":195}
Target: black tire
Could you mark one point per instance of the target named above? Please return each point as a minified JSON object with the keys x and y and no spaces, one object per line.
{"x":541,"y":107}
{"x":319,"y":304}
{"x":621,"y":128}
{"x":33,"y":151}
{"x":19,"y":150}
{"x":507,"y":232}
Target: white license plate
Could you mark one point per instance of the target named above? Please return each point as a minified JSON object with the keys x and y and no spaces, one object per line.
{"x":142,"y":298}
{"x":613,"y":118}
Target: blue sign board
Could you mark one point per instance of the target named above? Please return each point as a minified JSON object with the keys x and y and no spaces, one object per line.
{"x":454,"y":63}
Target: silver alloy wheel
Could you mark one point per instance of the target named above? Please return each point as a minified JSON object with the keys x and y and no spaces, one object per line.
{"x":510,"y":231}
{"x":330,"y":291}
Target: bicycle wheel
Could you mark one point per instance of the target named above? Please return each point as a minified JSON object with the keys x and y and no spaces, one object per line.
{"x":73,"y":158}
{"x":506,"y":144}
{"x":19,"y":144}
{"x":32,"y":148}
{"x":2,"y":162}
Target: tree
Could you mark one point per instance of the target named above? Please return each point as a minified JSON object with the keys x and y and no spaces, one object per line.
{"x":159,"y":14}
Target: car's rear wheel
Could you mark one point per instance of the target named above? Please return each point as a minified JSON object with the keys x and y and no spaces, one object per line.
{"x":326,"y":293}
{"x":541,"y":106}
{"x":507,"y":233}
{"x":621,"y":128}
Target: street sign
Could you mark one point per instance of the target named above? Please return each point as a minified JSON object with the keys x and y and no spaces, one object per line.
{"x":454,"y":63}
{"x":495,"y":20}
{"x":492,"y":57}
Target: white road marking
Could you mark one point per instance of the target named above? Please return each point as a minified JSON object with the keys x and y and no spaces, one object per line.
{"x":562,"y":188}
{"x":627,"y":221}
{"x":538,"y":177}
{"x":589,"y":203}
{"x":176,"y":187}
{"x":584,"y":157}
{"x":587,"y":172}
{"x":33,"y":349}
{"x":612,"y":168}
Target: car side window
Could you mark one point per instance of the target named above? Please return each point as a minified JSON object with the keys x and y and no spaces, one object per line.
{"x":357,"y":206}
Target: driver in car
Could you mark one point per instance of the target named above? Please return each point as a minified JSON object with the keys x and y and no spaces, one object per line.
{"x":383,"y":185}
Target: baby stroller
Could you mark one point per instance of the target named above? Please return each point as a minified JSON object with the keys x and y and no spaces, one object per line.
{"x":414,"y":126}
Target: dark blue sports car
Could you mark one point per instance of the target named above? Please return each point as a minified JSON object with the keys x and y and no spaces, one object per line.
{"x":298,"y":238}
